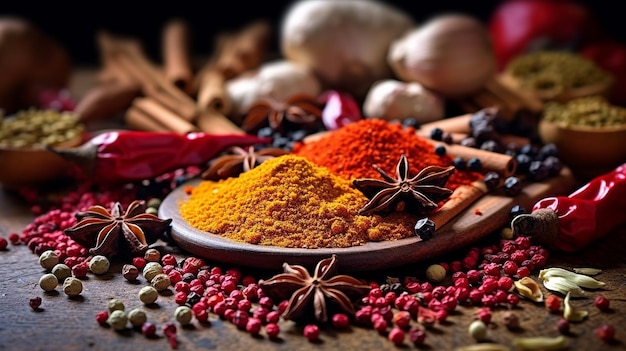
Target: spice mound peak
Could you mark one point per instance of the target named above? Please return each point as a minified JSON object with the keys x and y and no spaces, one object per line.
{"x":287,"y":201}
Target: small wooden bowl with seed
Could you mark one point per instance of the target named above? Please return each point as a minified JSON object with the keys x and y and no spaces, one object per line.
{"x":34,"y":166}
{"x":24,"y":159}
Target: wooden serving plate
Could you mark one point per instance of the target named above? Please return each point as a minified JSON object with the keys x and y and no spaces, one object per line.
{"x":485,"y":215}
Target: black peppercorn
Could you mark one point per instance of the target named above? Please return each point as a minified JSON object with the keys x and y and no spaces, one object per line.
{"x":436,"y":134}
{"x":492,"y":180}
{"x":440,"y":150}
{"x":512,"y":186}
{"x":192,"y":299}
{"x":425,"y":228}
{"x":538,"y":171}
{"x":516,"y":211}
{"x":474,"y":164}
{"x":459,"y":163}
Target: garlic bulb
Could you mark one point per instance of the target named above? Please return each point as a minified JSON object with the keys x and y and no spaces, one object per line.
{"x":279,"y":80}
{"x":345,"y":42}
{"x":392,"y":99}
{"x":450,"y":54}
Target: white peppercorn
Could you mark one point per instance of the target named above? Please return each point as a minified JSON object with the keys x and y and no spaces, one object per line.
{"x":61,"y":271}
{"x":137,"y":317}
{"x":151,"y":269}
{"x":48,"y":282}
{"x":117,"y":320}
{"x":435,"y":273}
{"x":152,"y":210}
{"x":148,"y":295}
{"x":72,"y":286}
{"x":478,"y":330}
{"x":48,"y":259}
{"x":130,"y":272}
{"x":152,"y":255}
{"x":99,"y":264}
{"x":115,"y":304}
{"x":183,"y":315}
{"x":160,"y":281}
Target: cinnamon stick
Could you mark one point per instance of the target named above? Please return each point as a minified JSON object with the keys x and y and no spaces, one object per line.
{"x":139,"y":120}
{"x":163,"y":115}
{"x":212,"y":92}
{"x":210,"y":121}
{"x":177,"y":66}
{"x":242,"y":51}
{"x":233,"y":55}
{"x":106,"y":100}
{"x":461,"y":198}
{"x":504,"y":164}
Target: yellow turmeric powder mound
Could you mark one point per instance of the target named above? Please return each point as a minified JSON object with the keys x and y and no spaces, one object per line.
{"x":288,"y":201}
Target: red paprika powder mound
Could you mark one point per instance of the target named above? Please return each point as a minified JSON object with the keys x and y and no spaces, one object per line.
{"x":351,"y":151}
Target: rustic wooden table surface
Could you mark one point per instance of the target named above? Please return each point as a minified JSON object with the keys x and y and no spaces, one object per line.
{"x":69,"y":323}
{"x":65,"y":323}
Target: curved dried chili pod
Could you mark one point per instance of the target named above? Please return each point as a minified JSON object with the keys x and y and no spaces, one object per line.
{"x":127,"y":156}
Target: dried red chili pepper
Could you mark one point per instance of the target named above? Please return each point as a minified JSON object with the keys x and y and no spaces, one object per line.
{"x":126,"y":156}
{"x":570,"y":223}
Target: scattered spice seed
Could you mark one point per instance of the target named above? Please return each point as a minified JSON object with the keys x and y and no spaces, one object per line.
{"x":118,"y":320}
{"x":137,"y":317}
{"x":148,"y":295}
{"x":396,"y":336}
{"x":477,"y":330}
{"x":311,"y":332}
{"x":99,"y":264}
{"x":48,"y":259}
{"x":115,"y":305}
{"x":169,"y":330}
{"x":130,"y":272}
{"x":605,"y":332}
{"x":272,"y":330}
{"x":102,"y":317}
{"x":4,"y":243}
{"x":563,"y":326}
{"x":35,"y":303}
{"x":72,"y":286}
{"x":602,"y":303}
{"x":148,"y":329}
{"x":435,"y":273}
{"x":553,"y":303}
{"x":48,"y":282}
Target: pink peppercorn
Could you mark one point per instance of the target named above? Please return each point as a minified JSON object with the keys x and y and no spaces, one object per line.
{"x":523,"y":272}
{"x":396,"y":336}
{"x":602,"y":303}
{"x":139,"y":262}
{"x":492,"y":269}
{"x":475,"y":296}
{"x":455,"y":266}
{"x":244,"y":305}
{"x":169,"y":259}
{"x":4,"y":243}
{"x":240,"y":319}
{"x":512,"y":299}
{"x":282,"y":306}
{"x":14,"y":238}
{"x":449,"y":303}
{"x":380,"y":324}
{"x":417,"y":336}
{"x":474,"y":276}
{"x":253,"y":326}
{"x":272,"y":330}
{"x":402,"y":319}
{"x":175,"y":277}
{"x":605,"y":332}
{"x":340,"y":321}
{"x":80,"y":270}
{"x":169,"y":330}
{"x":510,"y":267}
{"x":413,"y":287}
{"x":553,"y":303}
{"x":272,"y":317}
{"x":441,"y":316}
{"x":484,"y":314}
{"x":461,"y":294}
{"x":201,"y":315}
{"x":489,"y":284}
{"x":311,"y":332}
{"x":102,"y":317}
{"x":34,"y":303}
{"x":505,"y":283}
{"x":180,"y":298}
{"x":563,"y":326}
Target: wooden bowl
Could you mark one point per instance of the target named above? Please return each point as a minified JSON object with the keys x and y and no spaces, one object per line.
{"x":588,"y":151}
{"x":34,"y":166}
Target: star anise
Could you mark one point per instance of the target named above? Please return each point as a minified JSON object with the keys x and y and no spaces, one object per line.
{"x":419,"y":195}
{"x":237,"y":160}
{"x":313,"y":296}
{"x":301,"y":110}
{"x":105,"y":233}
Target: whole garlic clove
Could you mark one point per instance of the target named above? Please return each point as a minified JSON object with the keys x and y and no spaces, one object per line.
{"x":392,"y":99}
{"x":450,"y":54}
{"x":279,"y":80}
{"x":344,"y":42}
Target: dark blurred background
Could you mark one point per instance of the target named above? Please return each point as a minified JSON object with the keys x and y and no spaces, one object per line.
{"x":75,"y":24}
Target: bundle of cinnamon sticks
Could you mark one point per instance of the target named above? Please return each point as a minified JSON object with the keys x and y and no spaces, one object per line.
{"x":172,"y":96}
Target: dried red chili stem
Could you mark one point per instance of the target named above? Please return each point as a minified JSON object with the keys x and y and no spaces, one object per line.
{"x":126,"y":156}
